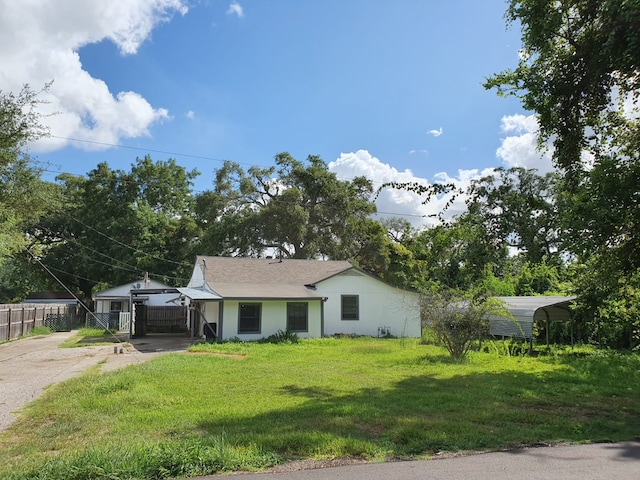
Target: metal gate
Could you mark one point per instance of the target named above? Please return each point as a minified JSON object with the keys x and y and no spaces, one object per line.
{"x":58,"y":322}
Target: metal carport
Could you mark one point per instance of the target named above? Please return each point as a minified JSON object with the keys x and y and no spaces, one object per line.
{"x":526,"y":311}
{"x":182,"y":294}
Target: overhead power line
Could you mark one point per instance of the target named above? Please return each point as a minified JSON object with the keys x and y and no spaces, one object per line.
{"x":130,"y":147}
{"x":136,"y":250}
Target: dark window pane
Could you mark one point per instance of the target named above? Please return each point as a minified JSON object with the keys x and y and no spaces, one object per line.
{"x":249,"y":318}
{"x":350,"y":307}
{"x":297,"y":317}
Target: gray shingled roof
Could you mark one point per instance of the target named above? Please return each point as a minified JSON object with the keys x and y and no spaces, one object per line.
{"x":239,"y":277}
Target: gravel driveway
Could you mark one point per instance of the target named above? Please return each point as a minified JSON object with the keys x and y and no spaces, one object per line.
{"x":29,"y":365}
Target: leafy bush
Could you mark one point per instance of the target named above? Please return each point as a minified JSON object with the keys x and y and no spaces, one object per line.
{"x":458,"y":320}
{"x":281,"y":336}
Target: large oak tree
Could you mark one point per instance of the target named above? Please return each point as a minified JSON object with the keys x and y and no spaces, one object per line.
{"x":293,"y":209}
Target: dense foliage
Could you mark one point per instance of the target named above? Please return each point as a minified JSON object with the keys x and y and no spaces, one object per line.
{"x":23,"y":195}
{"x":579,"y":73}
{"x":116,"y":225}
{"x":293,"y":209}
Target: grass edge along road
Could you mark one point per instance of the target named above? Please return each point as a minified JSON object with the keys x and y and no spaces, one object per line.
{"x":247,"y":406}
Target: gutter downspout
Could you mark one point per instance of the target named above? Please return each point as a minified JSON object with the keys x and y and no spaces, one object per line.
{"x":324,"y":299}
{"x":219,"y":336}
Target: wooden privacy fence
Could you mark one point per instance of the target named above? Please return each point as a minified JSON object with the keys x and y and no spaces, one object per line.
{"x":20,"y":319}
{"x":166,"y":318}
{"x":148,"y":318}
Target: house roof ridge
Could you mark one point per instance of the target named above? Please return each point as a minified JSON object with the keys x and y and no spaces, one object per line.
{"x":268,"y":271}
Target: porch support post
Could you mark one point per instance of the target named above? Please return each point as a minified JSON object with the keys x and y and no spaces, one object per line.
{"x":220,"y":314}
{"x":132,"y":314}
{"x":190,"y":320}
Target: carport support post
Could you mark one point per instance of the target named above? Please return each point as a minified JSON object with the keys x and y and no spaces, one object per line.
{"x":190,"y":320}
{"x":132,"y":314}
{"x":571,"y":327}
{"x":547,"y":315}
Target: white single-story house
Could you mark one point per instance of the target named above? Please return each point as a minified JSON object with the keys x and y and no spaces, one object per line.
{"x":252,"y":298}
{"x":528,"y":310}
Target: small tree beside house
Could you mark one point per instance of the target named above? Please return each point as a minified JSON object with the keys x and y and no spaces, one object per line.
{"x":458,"y":320}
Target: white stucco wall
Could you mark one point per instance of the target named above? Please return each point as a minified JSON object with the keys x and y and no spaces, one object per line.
{"x":197,"y":277}
{"x":380,"y":305}
{"x":209,"y":313}
{"x":274,"y":318}
{"x":163,"y":300}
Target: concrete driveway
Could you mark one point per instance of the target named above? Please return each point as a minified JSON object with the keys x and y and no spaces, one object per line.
{"x":29,"y":365}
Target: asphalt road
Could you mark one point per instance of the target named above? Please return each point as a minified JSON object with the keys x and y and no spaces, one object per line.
{"x":605,"y":461}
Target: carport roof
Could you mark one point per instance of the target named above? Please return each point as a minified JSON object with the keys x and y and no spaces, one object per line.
{"x":529,"y":304}
{"x":192,"y":293}
{"x":199,"y":294}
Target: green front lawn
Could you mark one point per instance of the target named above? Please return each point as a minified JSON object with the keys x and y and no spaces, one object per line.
{"x":247,"y":406}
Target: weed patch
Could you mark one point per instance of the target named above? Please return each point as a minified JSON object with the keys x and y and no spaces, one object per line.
{"x":92,"y":336}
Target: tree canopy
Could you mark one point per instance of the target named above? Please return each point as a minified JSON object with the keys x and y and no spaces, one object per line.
{"x":517,"y":207}
{"x":295,"y":209}
{"x":117,"y":225}
{"x":578,"y":72}
{"x":579,"y":63}
{"x":23,"y":195}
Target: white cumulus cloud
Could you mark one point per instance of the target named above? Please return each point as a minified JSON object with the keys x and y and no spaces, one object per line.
{"x":235,"y":9}
{"x":40,"y":42}
{"x":402,"y":203}
{"x":519,"y":147}
{"x":436,"y":133}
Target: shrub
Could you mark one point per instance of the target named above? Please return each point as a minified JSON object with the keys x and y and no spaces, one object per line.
{"x":281,"y":336}
{"x":458,"y":320}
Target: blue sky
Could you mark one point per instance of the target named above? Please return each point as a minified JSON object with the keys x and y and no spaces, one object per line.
{"x":387,"y":89}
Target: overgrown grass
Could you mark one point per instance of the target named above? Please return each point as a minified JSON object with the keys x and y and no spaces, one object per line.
{"x":92,"y":336}
{"x":40,"y":330}
{"x":241,"y":406}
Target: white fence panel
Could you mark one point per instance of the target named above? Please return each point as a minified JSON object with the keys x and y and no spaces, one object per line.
{"x":124,"y":321}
